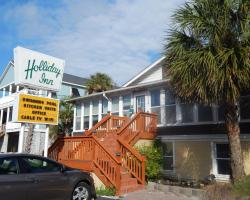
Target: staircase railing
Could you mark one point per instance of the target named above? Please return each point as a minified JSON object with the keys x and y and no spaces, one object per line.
{"x":107,"y":163}
{"x":132,"y":161}
{"x":88,"y":149}
{"x":108,"y":125}
{"x":141,"y":123}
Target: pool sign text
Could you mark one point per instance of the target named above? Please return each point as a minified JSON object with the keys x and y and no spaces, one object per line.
{"x":37,"y":70}
{"x":34,"y":109}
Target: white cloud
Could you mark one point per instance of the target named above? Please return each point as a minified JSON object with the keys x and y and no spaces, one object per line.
{"x":97,"y":36}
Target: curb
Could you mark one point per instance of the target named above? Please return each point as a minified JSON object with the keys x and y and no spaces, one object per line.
{"x":188,"y":192}
{"x":111,"y":197}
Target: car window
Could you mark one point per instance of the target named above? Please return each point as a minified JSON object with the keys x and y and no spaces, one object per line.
{"x":37,"y":165}
{"x":8,"y":166}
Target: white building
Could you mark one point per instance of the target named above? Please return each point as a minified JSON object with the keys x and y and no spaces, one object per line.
{"x":9,"y":131}
{"x":194,"y":136}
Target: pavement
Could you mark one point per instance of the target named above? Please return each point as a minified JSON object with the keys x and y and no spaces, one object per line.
{"x":149,"y":195}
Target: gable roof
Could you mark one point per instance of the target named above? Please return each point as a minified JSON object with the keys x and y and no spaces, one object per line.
{"x":10,"y":64}
{"x":143,"y":72}
{"x":68,"y":78}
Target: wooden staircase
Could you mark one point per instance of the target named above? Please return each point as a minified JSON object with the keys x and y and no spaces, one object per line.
{"x":107,"y":150}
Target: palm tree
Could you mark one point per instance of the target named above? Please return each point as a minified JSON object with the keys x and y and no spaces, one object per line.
{"x":66,"y":115}
{"x":99,"y":82}
{"x":208,"y":60}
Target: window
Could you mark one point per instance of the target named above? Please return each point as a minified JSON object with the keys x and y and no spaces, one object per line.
{"x":155,"y":104}
{"x":245,"y":107}
{"x":170,"y":108}
{"x":104,"y":107}
{"x":78,"y":117}
{"x":221,"y":111}
{"x":205,"y":113}
{"x":36,"y":165}
{"x":223,"y":159}
{"x":95,"y":112}
{"x":168,"y":156}
{"x":115,"y":106}
{"x":187,"y":112}
{"x":8,"y":166}
{"x":86,"y":116}
{"x":54,"y":95}
{"x":126,"y":105}
{"x":75,"y":92}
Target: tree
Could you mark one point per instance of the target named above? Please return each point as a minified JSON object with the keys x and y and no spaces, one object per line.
{"x":66,"y":115}
{"x":99,"y":82}
{"x":207,"y":60}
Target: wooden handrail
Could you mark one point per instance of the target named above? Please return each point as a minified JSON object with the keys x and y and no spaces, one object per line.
{"x":132,"y":150}
{"x":90,"y":148}
{"x":98,"y":124}
{"x":128,"y":123}
{"x":132,"y":161}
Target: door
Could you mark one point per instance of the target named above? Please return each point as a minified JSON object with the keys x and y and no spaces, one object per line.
{"x":48,"y":181}
{"x":13,"y":185}
{"x":140,"y":103}
{"x":13,"y":142}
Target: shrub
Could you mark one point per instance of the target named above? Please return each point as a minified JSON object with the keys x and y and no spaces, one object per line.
{"x":242,"y":187}
{"x":105,"y":191}
{"x":154,"y":158}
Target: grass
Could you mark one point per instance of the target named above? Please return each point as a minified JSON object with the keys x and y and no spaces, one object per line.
{"x":242,"y":187}
{"x":105,"y":191}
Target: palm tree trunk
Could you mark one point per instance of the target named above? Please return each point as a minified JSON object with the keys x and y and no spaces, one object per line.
{"x":233,"y":131}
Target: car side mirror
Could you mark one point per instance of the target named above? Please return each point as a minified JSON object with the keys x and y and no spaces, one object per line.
{"x":63,"y":168}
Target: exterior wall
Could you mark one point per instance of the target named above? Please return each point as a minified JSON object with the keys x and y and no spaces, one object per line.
{"x":98,"y":183}
{"x":193,"y":159}
{"x":153,"y":76}
{"x":143,"y":143}
{"x":65,"y":91}
{"x":246,"y":156}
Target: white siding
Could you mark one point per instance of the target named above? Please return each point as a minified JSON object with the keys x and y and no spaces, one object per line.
{"x":155,"y":75}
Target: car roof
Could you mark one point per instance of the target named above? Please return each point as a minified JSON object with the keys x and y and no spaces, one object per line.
{"x":4,"y":155}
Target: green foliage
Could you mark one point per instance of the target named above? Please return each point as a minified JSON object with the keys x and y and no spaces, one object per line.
{"x":207,"y":51}
{"x":154,"y":160}
{"x":105,"y":191}
{"x":208,"y":62}
{"x":98,"y":83}
{"x":242,"y":187}
{"x":66,"y":115}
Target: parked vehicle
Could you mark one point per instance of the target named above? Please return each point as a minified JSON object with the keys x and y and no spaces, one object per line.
{"x":29,"y":177}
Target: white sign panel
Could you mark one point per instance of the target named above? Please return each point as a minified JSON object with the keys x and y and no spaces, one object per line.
{"x":37,"y":70}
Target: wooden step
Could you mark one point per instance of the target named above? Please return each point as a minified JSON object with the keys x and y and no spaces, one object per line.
{"x":128,"y":181}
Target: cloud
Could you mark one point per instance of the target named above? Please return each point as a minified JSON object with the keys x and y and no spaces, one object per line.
{"x":119,"y":37}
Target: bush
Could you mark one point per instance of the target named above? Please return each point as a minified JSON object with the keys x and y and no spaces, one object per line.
{"x":105,"y":191}
{"x":242,"y":187}
{"x":154,"y":158}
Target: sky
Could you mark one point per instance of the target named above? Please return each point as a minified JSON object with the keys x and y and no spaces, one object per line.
{"x":116,"y":37}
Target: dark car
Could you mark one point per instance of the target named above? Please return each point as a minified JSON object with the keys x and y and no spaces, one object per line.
{"x":31,"y":177}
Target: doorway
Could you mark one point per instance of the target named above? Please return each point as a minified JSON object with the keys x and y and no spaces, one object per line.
{"x":13,"y":142}
{"x":140,"y":103}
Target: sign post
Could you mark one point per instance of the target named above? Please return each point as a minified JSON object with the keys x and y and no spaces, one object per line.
{"x":46,"y":142}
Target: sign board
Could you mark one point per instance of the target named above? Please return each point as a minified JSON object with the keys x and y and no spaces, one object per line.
{"x":37,"y":70}
{"x":34,"y":109}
